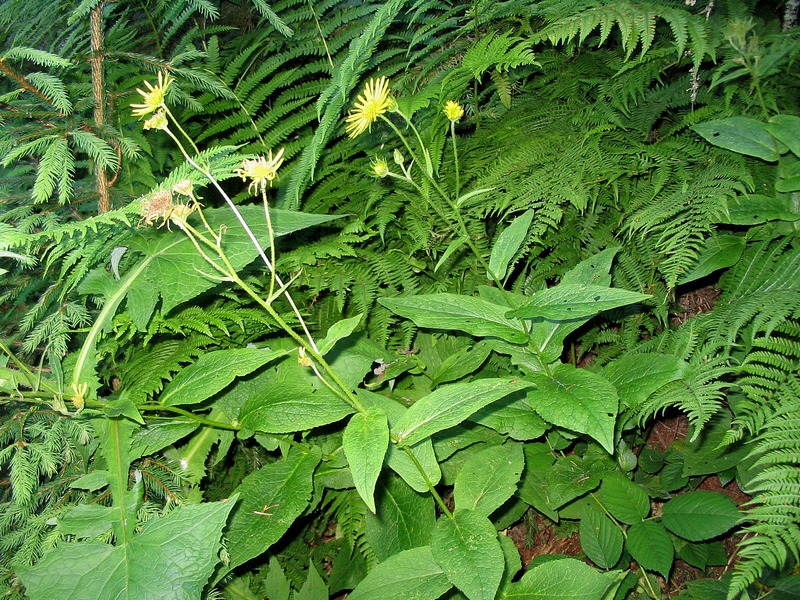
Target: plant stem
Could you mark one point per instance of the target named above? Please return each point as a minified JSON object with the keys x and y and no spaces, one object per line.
{"x":428,"y":483}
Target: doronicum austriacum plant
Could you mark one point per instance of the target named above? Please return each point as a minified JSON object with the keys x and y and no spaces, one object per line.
{"x":399,"y":300}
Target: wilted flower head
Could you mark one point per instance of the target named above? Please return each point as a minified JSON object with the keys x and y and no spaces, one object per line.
{"x":261,"y":171}
{"x":453,"y":110}
{"x":372,"y":103}
{"x":157,"y":121}
{"x":184,"y":187}
{"x":153,"y":97}
{"x":380,"y":167}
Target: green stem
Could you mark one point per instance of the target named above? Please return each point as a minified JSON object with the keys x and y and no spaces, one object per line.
{"x":455,"y":157}
{"x":190,"y":415}
{"x":428,"y":483}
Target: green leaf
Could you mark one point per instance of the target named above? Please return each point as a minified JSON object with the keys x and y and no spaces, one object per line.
{"x":513,"y":417}
{"x":700,"y":515}
{"x":579,"y":400}
{"x":180,"y":550}
{"x":755,"y":209}
{"x":314,"y":588}
{"x":451,"y":248}
{"x":624,"y":499}
{"x":338,"y":331}
{"x":366,"y":439}
{"x":450,"y":405}
{"x":86,"y":521}
{"x":464,"y":362}
{"x":462,"y":313}
{"x":717,"y":252}
{"x":272,"y":498}
{"x":637,"y":376}
{"x":214,"y":372}
{"x":786,"y":129}
{"x":409,"y":575}
{"x":404,"y":519}
{"x":564,"y":579}
{"x":488,"y":478}
{"x":508,"y":243}
{"x":566,"y":302}
{"x":467,"y":550}
{"x":284,"y":407}
{"x":601,"y":539}
{"x":174,"y":269}
{"x":651,"y":546}
{"x":740,"y":134}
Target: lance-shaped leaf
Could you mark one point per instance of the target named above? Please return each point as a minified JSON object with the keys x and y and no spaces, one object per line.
{"x":213,"y":372}
{"x":565,"y":302}
{"x":468,"y":551}
{"x":507,"y":244}
{"x":366,"y":439}
{"x":462,"y":313}
{"x":338,"y":331}
{"x":179,"y":550}
{"x":272,"y":498}
{"x":450,"y":405}
{"x":565,"y":579}
{"x":740,"y":134}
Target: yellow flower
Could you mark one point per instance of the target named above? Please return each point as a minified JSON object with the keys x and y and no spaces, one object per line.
{"x":157,"y":121}
{"x":369,"y":106}
{"x":380,"y":167}
{"x":453,"y":111}
{"x":260,"y":171}
{"x":153,"y":97}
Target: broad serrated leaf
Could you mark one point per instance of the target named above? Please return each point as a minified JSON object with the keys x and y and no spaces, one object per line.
{"x":213,"y":372}
{"x":508,"y":243}
{"x":579,"y":400}
{"x":488,"y":478}
{"x":409,"y":575}
{"x":461,"y":313}
{"x":651,"y":546}
{"x":700,"y":515}
{"x":564,"y":579}
{"x":272,"y":498}
{"x":740,"y":134}
{"x":180,"y":549}
{"x":601,"y":539}
{"x":450,"y":405}
{"x":404,"y":518}
{"x":624,"y":499}
{"x":637,"y":376}
{"x":566,"y":302}
{"x":366,"y":439}
{"x":467,"y":550}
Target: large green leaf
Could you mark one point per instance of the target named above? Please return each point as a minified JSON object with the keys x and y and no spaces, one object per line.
{"x":508,"y":243}
{"x":213,"y":372}
{"x":461,"y":313}
{"x":786,"y":128}
{"x":564,"y":579}
{"x":366,"y":439}
{"x":272,"y":498}
{"x":404,"y":519}
{"x":637,"y":376}
{"x":625,"y":500}
{"x":566,"y":302}
{"x":171,"y":558}
{"x":700,"y":515}
{"x":511,"y":416}
{"x":755,"y":209}
{"x":488,"y":478}
{"x":175,"y":269}
{"x":579,"y":400}
{"x":717,"y":252}
{"x":740,"y":134}
{"x":650,"y":545}
{"x":601,"y":539}
{"x":450,"y":405}
{"x":409,"y":575}
{"x":467,"y":550}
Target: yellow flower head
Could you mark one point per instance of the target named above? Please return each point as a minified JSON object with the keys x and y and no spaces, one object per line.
{"x":153,"y":97}
{"x":380,"y":168}
{"x":260,"y":171}
{"x":369,"y":106}
{"x":453,"y":111}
